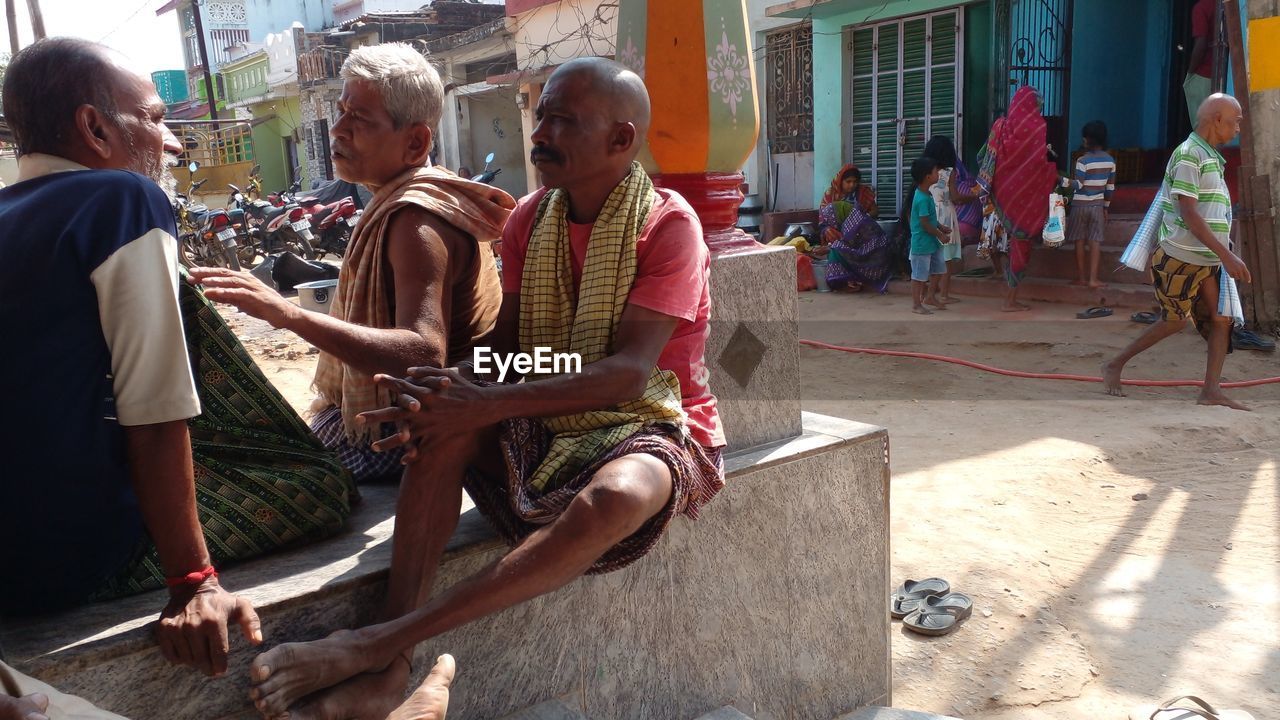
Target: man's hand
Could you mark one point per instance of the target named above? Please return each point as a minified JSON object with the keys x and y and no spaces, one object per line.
{"x":944,"y":234}
{"x":430,"y":404}
{"x":29,"y":707}
{"x":1236,"y":268}
{"x":247,"y":293}
{"x":193,"y":626}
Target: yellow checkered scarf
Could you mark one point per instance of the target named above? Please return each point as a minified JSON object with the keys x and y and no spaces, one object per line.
{"x":363,"y":293}
{"x":551,"y":317}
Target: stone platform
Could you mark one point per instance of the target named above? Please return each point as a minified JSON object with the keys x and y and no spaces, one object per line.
{"x":772,"y":602}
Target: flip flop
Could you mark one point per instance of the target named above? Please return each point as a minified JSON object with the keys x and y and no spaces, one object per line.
{"x":1169,"y":711}
{"x":911,"y":593}
{"x":1146,"y":317}
{"x":939,"y":615}
{"x":1094,"y":312}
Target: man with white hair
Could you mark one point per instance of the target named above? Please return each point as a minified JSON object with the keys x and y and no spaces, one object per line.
{"x":419,"y":284}
{"x":1194,"y":251}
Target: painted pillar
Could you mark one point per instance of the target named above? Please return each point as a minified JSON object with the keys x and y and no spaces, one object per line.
{"x":695,"y":58}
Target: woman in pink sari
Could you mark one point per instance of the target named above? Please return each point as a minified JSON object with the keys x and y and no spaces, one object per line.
{"x":1018,"y":179}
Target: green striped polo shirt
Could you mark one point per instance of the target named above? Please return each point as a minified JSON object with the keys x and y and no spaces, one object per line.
{"x":1196,"y":170}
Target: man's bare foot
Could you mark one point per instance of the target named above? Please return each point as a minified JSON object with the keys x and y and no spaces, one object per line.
{"x":1096,"y":285}
{"x":936,"y":304}
{"x":1216,"y":397}
{"x":1111,"y":379}
{"x":431,"y":700}
{"x":287,"y":673}
{"x":921,"y":310}
{"x":948,"y":300}
{"x":367,"y":696}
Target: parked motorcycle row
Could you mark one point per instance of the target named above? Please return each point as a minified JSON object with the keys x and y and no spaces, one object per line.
{"x":252,"y":228}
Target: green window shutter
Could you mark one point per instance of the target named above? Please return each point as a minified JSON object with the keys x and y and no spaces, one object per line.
{"x":901,"y":70}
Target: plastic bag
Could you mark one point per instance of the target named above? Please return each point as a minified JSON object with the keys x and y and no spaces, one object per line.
{"x":1055,"y":228}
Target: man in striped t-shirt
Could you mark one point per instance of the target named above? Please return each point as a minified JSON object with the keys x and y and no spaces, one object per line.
{"x":1194,"y":249}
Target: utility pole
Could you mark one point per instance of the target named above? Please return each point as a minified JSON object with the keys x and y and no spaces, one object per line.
{"x":204,"y":62}
{"x":11,"y":16}
{"x":1258,"y":91}
{"x":37,"y":18}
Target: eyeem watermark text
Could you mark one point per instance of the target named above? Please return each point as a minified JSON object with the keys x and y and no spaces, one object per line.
{"x":542,"y":361}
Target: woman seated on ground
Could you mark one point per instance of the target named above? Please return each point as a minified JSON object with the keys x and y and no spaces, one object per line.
{"x":858,"y":251}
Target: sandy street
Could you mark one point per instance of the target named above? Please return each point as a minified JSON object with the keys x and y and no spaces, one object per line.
{"x":1118,"y":550}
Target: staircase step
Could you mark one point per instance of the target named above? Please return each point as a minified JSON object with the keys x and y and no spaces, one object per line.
{"x":549,"y":710}
{"x":728,"y":712}
{"x":888,"y":713}
{"x":1056,"y":290}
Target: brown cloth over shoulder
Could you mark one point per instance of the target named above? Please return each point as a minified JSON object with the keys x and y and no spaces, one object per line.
{"x":364,"y":294}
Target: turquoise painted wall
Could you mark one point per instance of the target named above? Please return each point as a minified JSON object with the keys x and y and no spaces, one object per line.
{"x":1118,"y":75}
{"x":828,"y":76}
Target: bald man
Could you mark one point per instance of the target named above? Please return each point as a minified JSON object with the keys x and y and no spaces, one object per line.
{"x":1194,"y":249}
{"x":580,"y":468}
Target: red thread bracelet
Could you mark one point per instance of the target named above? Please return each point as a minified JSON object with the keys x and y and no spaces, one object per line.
{"x":192,"y":578}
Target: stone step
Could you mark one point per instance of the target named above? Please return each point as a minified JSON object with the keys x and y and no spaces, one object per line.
{"x":710,"y":617}
{"x":1055,"y":290}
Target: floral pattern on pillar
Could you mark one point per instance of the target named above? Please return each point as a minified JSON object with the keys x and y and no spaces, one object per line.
{"x":695,"y":58}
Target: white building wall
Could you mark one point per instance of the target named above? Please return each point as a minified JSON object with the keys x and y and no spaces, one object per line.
{"x":552,"y":35}
{"x":282,"y":56}
{"x":782,"y":182}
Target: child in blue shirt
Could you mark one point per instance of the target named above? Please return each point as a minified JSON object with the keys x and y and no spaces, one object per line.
{"x":927,"y":239}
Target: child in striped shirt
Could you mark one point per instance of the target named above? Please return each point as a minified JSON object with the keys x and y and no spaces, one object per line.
{"x":1095,"y":181}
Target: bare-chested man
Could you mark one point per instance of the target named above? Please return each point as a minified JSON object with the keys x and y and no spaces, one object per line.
{"x":581,"y":472}
{"x":419,"y":284}
{"x":1194,"y":249}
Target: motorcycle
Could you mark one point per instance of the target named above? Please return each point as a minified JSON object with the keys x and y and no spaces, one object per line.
{"x":333,"y":215}
{"x":205,"y":237}
{"x":486,"y":175}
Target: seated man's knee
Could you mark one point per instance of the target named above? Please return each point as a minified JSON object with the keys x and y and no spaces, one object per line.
{"x":628,"y":491}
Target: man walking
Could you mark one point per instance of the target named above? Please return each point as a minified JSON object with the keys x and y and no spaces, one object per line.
{"x":1194,"y":249}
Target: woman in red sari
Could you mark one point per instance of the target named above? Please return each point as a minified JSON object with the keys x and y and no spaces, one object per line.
{"x":1018,"y":179}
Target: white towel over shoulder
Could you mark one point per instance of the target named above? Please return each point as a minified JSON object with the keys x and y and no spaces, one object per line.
{"x":1138,"y":254}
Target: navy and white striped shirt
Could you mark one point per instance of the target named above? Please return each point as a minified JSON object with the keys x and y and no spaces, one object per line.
{"x":1095,"y":179}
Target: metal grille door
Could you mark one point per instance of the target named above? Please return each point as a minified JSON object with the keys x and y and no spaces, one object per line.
{"x":1038,"y":37}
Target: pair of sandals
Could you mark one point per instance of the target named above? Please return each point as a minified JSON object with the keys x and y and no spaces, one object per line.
{"x":929,"y":607}
{"x":1186,"y":707}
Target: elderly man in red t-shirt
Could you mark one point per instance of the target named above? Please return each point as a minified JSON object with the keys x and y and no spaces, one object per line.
{"x":580,"y":467}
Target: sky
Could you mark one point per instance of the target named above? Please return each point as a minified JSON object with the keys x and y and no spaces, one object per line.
{"x":130,"y":26}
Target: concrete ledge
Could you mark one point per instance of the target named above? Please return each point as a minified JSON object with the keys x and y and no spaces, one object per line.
{"x":774,"y":601}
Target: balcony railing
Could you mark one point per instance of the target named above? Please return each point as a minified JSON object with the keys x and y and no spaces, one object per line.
{"x":320,"y":64}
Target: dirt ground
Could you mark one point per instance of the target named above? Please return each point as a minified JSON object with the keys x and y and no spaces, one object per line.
{"x":1118,"y":550}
